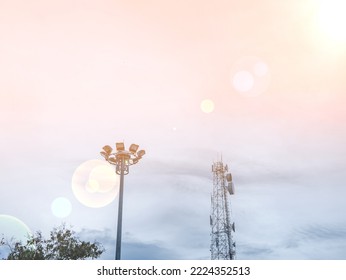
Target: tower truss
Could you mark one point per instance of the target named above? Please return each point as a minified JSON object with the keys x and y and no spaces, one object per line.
{"x":221,"y":222}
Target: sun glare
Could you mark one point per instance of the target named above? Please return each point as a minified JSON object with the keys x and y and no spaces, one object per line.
{"x":332,"y":19}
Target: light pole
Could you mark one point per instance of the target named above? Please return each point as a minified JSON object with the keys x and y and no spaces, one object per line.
{"x":122,"y":159}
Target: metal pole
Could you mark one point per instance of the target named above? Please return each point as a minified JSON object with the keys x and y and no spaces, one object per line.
{"x":120,"y":211}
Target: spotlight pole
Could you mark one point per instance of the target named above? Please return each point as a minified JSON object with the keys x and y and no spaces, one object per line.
{"x":120,"y":212}
{"x":122,"y":159}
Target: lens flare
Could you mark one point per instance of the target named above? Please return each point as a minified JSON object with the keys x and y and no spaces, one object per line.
{"x":243,"y":81}
{"x":95,"y":183}
{"x":207,"y":106}
{"x":250,"y":76}
{"x":61,"y":207}
{"x":12,"y":227}
{"x":103,"y":178}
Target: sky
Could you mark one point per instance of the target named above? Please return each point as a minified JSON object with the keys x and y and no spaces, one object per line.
{"x":259,"y":84}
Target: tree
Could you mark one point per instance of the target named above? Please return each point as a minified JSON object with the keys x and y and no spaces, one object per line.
{"x":63,"y":244}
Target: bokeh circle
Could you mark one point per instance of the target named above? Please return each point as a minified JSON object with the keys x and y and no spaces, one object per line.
{"x":95,"y":183}
{"x":12,"y":227}
{"x":207,"y":106}
{"x":250,"y":76}
{"x":61,"y":207}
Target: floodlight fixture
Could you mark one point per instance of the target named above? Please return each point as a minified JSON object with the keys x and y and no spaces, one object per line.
{"x":133,"y":148}
{"x":120,"y":146}
{"x":230,"y":188}
{"x":122,"y":159}
{"x":105,"y":155}
{"x":141,"y":153}
{"x":229,"y":177}
{"x":108,"y":149}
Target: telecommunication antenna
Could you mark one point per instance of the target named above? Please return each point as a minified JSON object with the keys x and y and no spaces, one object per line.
{"x":222,"y":244}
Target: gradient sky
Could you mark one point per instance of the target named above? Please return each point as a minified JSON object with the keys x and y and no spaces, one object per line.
{"x":261,"y":82}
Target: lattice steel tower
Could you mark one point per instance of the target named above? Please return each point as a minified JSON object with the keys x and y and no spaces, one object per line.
{"x":222,"y":243}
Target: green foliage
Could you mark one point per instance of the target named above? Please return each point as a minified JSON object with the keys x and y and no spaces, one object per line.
{"x":63,"y":244}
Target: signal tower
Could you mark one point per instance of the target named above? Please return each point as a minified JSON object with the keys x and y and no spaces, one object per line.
{"x":221,"y":222}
